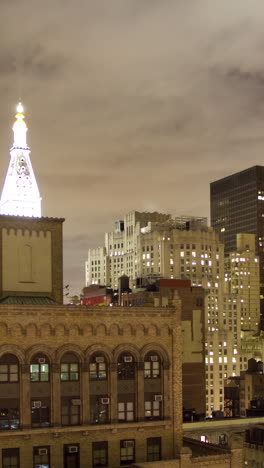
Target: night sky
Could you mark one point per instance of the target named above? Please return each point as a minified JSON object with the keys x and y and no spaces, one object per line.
{"x":130,"y":104}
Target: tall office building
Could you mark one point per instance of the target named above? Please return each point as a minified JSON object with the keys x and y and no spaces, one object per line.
{"x":152,"y":244}
{"x":237,"y":206}
{"x":242,"y":280}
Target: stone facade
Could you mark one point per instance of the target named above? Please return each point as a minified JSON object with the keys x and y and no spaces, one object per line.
{"x":42,"y":336}
{"x":31,"y":257}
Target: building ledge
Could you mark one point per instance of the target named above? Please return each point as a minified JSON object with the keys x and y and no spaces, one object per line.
{"x":86,"y":429}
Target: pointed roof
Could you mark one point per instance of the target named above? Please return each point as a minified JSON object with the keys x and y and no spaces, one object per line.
{"x":20,"y":196}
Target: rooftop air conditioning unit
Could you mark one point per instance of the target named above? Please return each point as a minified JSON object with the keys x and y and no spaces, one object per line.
{"x":128,"y":358}
{"x":76,"y":402}
{"x":154,"y":358}
{"x":157,"y":397}
{"x":36,"y":404}
{"x":128,"y":443}
{"x":99,"y":359}
{"x":41,"y":360}
{"x":73,"y":449}
{"x":105,"y":401}
{"x":43,"y":451}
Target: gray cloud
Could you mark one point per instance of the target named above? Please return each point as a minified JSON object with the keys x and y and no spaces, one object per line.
{"x":134,"y":104}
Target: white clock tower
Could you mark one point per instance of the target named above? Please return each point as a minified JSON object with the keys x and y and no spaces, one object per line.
{"x":20,"y":196}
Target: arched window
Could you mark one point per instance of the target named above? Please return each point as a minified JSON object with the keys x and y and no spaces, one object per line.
{"x":126,"y":366}
{"x":9,"y":368}
{"x":152,"y":365}
{"x":69,"y":367}
{"x":9,"y":399}
{"x":98,"y":367}
{"x":39,"y":368}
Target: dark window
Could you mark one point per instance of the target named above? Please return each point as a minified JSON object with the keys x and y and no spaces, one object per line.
{"x":70,"y":411}
{"x":99,"y":409}
{"x":126,"y":367}
{"x":9,"y":418}
{"x":153,"y":409}
{"x":40,"y":414}
{"x":98,"y":367}
{"x":41,"y":457}
{"x":100,"y":454}
{"x":153,"y":449}
{"x":199,"y":302}
{"x":39,"y":369}
{"x":127,"y":452}
{"x":152,"y":366}
{"x":8,"y":368}
{"x":71,"y":456}
{"x":10,"y":458}
{"x":223,"y":439}
{"x":126,"y":411}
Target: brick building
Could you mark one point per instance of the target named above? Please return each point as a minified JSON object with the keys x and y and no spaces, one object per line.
{"x":161,"y":293}
{"x":89,"y":386}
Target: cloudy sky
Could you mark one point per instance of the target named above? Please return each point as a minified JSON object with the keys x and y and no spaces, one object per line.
{"x":131,"y":104}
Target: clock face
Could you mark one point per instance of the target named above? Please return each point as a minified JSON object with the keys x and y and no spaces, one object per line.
{"x":22,"y":167}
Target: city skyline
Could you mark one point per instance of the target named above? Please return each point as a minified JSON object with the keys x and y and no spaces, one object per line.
{"x":133,"y":105}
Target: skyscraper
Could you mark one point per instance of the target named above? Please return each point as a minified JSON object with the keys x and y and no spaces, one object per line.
{"x":237,"y":206}
{"x":20,"y":196}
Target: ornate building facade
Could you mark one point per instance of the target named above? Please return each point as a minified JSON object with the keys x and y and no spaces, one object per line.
{"x":88,"y":387}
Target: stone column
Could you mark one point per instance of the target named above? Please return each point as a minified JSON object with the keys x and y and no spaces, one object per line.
{"x":166,"y":390}
{"x":85,"y":393}
{"x":25,"y":402}
{"x":113,"y":415}
{"x":185,"y":457}
{"x":55,"y":395}
{"x":140,"y":392}
{"x":237,"y":453}
{"x":176,"y":374}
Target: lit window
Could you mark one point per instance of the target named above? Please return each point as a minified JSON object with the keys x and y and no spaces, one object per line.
{"x":8,"y":368}
{"x":152,"y":366}
{"x":152,"y":409}
{"x":126,"y":411}
{"x":39,"y":369}
{"x":70,"y":371}
{"x":98,"y":367}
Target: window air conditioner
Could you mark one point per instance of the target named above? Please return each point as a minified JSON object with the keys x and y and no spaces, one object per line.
{"x":43,"y":451}
{"x":105,"y":401}
{"x":128,"y":443}
{"x":41,"y":360}
{"x":99,"y":359}
{"x":157,"y":397}
{"x":127,"y":358}
{"x":73,"y":449}
{"x":76,"y":402}
{"x":36,"y":404}
{"x":154,"y":358}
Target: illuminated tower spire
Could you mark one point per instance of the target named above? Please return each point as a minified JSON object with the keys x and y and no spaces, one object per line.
{"x":20,"y":196}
